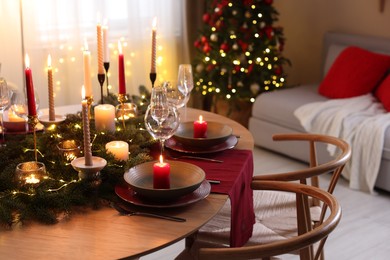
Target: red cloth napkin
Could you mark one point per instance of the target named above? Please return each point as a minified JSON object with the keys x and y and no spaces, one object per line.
{"x":235,"y":174}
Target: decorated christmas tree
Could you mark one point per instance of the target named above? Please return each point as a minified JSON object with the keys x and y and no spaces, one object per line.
{"x":239,"y":50}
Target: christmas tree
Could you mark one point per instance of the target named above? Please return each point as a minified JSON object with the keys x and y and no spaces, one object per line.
{"x":239,"y":50}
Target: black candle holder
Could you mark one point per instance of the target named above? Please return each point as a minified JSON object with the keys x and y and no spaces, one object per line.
{"x":106,"y":68}
{"x":153,"y":76}
{"x":101,"y":78}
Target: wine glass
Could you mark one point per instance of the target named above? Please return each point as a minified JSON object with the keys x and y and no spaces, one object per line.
{"x":19,"y":105}
{"x":185,"y":80}
{"x":4,"y":102}
{"x":176,"y":94}
{"x":159,"y":102}
{"x":162,"y":129}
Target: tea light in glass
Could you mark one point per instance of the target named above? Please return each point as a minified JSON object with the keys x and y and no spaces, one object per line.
{"x":30,"y":173}
{"x":126,"y":111}
{"x":70,"y":150}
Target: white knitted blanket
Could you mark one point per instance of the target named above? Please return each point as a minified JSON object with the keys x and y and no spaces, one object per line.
{"x":361,"y":121}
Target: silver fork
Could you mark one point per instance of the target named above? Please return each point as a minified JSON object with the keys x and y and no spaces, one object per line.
{"x":126,"y":212}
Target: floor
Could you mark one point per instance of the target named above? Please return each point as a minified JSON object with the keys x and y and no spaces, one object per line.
{"x":363,"y":233}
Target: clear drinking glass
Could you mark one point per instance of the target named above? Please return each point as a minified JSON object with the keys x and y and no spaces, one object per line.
{"x":5,"y":95}
{"x":19,"y":105}
{"x":176,"y":94}
{"x":159,"y":102}
{"x":162,"y":129}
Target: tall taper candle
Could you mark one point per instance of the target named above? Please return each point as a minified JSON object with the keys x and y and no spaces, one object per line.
{"x":86,"y":131}
{"x":50,"y":89}
{"x":32,"y":111}
{"x":87,"y":71}
{"x":121,"y":70}
{"x":100,"y":48}
{"x":153,"y":63}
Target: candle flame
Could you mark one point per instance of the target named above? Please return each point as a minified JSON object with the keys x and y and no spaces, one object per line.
{"x":49,"y":61}
{"x":154,"y":24}
{"x":200,"y":118}
{"x":119,"y":47}
{"x":83,"y":92}
{"x":161,"y":159}
{"x":27,"y":61}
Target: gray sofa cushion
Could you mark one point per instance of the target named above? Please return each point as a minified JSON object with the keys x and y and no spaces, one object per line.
{"x":278,"y":107}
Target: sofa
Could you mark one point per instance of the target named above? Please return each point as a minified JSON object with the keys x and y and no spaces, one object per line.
{"x":273,"y":112}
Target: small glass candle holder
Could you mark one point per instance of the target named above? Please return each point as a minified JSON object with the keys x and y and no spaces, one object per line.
{"x":30,"y":173}
{"x":70,"y":150}
{"x":125,"y":111}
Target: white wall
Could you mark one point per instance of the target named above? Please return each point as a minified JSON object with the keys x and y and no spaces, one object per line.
{"x":305,"y":22}
{"x":10,"y":47}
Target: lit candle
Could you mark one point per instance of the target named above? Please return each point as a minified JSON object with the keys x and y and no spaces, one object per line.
{"x":86,"y":131}
{"x":99,"y":47}
{"x":32,"y":111}
{"x":121,"y":70}
{"x":105,"y":117}
{"x":161,"y":171}
{"x":32,"y":179}
{"x":119,"y":149}
{"x":106,"y":51}
{"x":87,"y":71}
{"x":200,"y":128}
{"x":50,"y":89}
{"x":154,"y":32}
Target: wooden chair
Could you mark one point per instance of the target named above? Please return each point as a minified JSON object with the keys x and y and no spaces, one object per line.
{"x":271,"y":206}
{"x":318,"y":233}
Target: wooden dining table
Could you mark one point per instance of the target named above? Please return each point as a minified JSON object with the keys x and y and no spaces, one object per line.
{"x":104,"y":234}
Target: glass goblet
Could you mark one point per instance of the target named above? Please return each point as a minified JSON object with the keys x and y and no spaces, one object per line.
{"x":5,"y":96}
{"x":185,"y":80}
{"x":177,"y":94}
{"x":19,"y":106}
{"x":162,"y":130}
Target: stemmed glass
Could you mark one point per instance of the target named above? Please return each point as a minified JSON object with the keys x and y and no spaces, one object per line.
{"x":4,"y":102}
{"x":19,"y":105}
{"x":177,"y":94}
{"x":161,"y":117}
{"x":185,"y":81}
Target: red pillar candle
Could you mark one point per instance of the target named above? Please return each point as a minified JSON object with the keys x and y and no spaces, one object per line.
{"x":32,"y":111}
{"x":121,"y":70}
{"x":161,"y":171}
{"x":200,"y":128}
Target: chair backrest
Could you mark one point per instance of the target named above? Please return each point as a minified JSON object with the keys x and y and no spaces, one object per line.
{"x":334,"y":166}
{"x":318,"y":233}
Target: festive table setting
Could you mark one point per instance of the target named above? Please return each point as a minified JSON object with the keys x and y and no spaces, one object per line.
{"x":147,"y":153}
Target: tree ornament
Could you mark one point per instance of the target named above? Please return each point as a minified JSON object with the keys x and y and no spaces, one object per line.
{"x":248,"y":14}
{"x":225,"y":47}
{"x":255,"y":88}
{"x":240,"y":84}
{"x":206,"y":17}
{"x":199,"y":68}
{"x":213,"y":37}
{"x":235,"y":46}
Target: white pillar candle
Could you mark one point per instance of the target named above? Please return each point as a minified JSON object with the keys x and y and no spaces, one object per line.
{"x":119,"y":149}
{"x":105,"y":117}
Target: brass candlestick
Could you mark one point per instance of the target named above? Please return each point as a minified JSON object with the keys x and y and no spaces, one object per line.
{"x":89,"y":103}
{"x":33,"y":121}
{"x":122,"y":98}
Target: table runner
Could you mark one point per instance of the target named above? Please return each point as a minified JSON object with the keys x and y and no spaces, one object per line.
{"x":235,"y":174}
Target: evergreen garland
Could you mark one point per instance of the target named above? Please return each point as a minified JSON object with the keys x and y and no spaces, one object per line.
{"x":62,"y":192}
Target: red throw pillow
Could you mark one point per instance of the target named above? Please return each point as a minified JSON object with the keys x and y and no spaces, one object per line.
{"x":383,"y":93}
{"x":355,"y":72}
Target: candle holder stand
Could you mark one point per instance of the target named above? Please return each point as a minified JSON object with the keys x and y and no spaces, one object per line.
{"x":106,"y":68}
{"x":89,"y":173}
{"x":33,"y":121}
{"x":101,"y":78}
{"x":153,"y":76}
{"x":122,"y":98}
{"x":47,"y":123}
